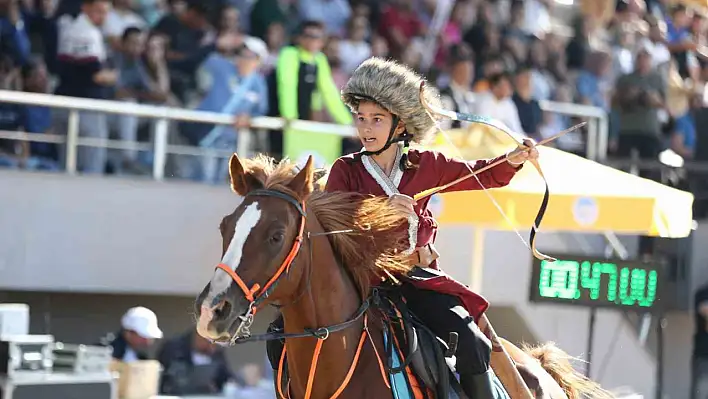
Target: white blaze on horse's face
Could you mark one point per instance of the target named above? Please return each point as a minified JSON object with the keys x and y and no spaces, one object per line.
{"x":242,"y":229}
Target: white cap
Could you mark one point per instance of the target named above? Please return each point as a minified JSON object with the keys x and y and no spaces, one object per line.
{"x":143,"y":321}
{"x":256,"y":45}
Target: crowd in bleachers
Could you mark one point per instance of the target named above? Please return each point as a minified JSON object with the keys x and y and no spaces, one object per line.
{"x":642,"y":61}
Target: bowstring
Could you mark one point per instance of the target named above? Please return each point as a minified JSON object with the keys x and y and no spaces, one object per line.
{"x":486,"y":191}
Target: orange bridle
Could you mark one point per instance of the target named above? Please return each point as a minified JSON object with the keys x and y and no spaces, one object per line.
{"x":255,"y":294}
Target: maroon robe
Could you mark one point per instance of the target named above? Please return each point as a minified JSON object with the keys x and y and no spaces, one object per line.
{"x":362,"y":175}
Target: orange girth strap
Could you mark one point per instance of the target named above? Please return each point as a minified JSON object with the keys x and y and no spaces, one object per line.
{"x":313,"y":367}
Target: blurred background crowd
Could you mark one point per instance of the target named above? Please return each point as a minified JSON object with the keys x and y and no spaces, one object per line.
{"x":642,"y":61}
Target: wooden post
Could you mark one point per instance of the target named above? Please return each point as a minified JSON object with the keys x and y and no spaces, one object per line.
{"x":503,"y":366}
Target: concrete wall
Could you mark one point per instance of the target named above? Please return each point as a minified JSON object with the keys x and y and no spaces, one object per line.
{"x":108,"y":235}
{"x":156,"y":244}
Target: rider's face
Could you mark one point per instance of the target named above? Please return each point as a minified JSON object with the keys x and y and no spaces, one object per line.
{"x":373,"y":125}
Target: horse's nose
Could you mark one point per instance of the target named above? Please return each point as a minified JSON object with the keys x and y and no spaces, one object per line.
{"x":221,"y":311}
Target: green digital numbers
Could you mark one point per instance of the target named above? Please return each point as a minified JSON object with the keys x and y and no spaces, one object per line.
{"x":597,"y":283}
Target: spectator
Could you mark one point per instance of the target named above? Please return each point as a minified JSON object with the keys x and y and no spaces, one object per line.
{"x":255,"y":386}
{"x":497,"y":103}
{"x":379,"y":47}
{"x":120,"y":18}
{"x":458,"y":95}
{"x":537,"y":19}
{"x":333,"y":14}
{"x":655,"y":44}
{"x":13,"y":37}
{"x":268,"y":12}
{"x":530,"y":114}
{"x":303,"y":70}
{"x":542,"y":82}
{"x":275,"y":40}
{"x":591,"y":81}
{"x":399,"y":25}
{"x":354,"y":49}
{"x":190,"y":40}
{"x":680,"y":41}
{"x":492,"y":66}
{"x":83,"y":73}
{"x":138,"y":331}
{"x":12,"y":118}
{"x":638,"y":99}
{"x":679,"y":95}
{"x":37,"y":119}
{"x":578,"y":48}
{"x":229,"y":20}
{"x":515,"y":28}
{"x":232,"y":85}
{"x":623,"y":52}
{"x":332,"y":51}
{"x":192,"y":366}
{"x":43,"y":25}
{"x":134,"y":85}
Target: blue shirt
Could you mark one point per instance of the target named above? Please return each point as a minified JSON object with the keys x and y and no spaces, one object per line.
{"x":588,"y":86}
{"x":14,"y":40}
{"x":38,"y":119}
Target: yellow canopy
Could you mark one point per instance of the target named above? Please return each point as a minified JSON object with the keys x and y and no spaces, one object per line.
{"x":585,"y":196}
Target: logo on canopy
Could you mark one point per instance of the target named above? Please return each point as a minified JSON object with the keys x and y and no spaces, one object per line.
{"x":585,"y":211}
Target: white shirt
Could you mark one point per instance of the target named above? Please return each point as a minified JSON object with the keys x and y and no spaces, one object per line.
{"x":536,"y":18}
{"x":502,"y":110}
{"x":80,"y":39}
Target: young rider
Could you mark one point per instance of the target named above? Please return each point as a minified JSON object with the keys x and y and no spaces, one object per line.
{"x":384,"y":96}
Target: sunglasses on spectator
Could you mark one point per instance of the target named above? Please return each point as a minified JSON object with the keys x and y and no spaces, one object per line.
{"x":312,"y":36}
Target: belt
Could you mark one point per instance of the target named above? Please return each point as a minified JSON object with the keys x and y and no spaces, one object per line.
{"x":423,"y":256}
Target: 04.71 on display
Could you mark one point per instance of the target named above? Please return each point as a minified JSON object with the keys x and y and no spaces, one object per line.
{"x":596,"y":282}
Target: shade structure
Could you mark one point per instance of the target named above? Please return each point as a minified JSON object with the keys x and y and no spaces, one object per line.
{"x":585,"y":196}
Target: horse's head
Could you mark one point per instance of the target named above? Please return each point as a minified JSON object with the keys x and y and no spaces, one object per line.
{"x":260,"y":239}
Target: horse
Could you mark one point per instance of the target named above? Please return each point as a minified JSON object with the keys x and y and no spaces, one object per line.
{"x":316,"y":255}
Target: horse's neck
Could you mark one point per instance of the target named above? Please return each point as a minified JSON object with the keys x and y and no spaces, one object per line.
{"x":330,"y":298}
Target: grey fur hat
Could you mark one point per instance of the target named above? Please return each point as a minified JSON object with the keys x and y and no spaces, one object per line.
{"x":396,"y":88}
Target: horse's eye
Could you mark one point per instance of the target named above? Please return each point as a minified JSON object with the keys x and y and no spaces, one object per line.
{"x":277,"y":238}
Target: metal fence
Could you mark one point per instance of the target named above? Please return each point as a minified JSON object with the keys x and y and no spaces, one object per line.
{"x":161,"y":116}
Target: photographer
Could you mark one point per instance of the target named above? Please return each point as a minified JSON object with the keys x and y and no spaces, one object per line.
{"x":639,"y":102}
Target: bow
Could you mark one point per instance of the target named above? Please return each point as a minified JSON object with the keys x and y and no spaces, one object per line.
{"x":458,"y":116}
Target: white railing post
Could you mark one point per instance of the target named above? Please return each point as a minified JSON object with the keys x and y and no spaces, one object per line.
{"x":160,"y":157}
{"x":603,"y":138}
{"x":243,"y":144}
{"x":592,"y":139}
{"x":72,"y":141}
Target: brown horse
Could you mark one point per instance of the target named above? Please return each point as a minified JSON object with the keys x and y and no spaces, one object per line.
{"x":315,"y":255}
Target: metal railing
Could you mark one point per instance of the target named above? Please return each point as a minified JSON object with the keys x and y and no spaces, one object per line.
{"x":162,"y":115}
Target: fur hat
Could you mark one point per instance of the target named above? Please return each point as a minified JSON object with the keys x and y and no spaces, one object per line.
{"x":396,"y":88}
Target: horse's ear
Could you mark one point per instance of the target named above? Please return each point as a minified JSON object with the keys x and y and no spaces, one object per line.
{"x":242,"y":181}
{"x":302,"y":182}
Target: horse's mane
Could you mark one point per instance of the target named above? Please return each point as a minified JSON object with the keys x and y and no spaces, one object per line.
{"x":379,"y":235}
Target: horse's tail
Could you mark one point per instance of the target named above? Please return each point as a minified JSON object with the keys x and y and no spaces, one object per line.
{"x":558,"y":364}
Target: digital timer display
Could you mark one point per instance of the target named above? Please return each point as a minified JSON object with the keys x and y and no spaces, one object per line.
{"x":594,"y":282}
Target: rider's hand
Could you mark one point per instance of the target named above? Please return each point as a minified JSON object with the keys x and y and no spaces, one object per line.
{"x":403,"y":203}
{"x":519,"y":156}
